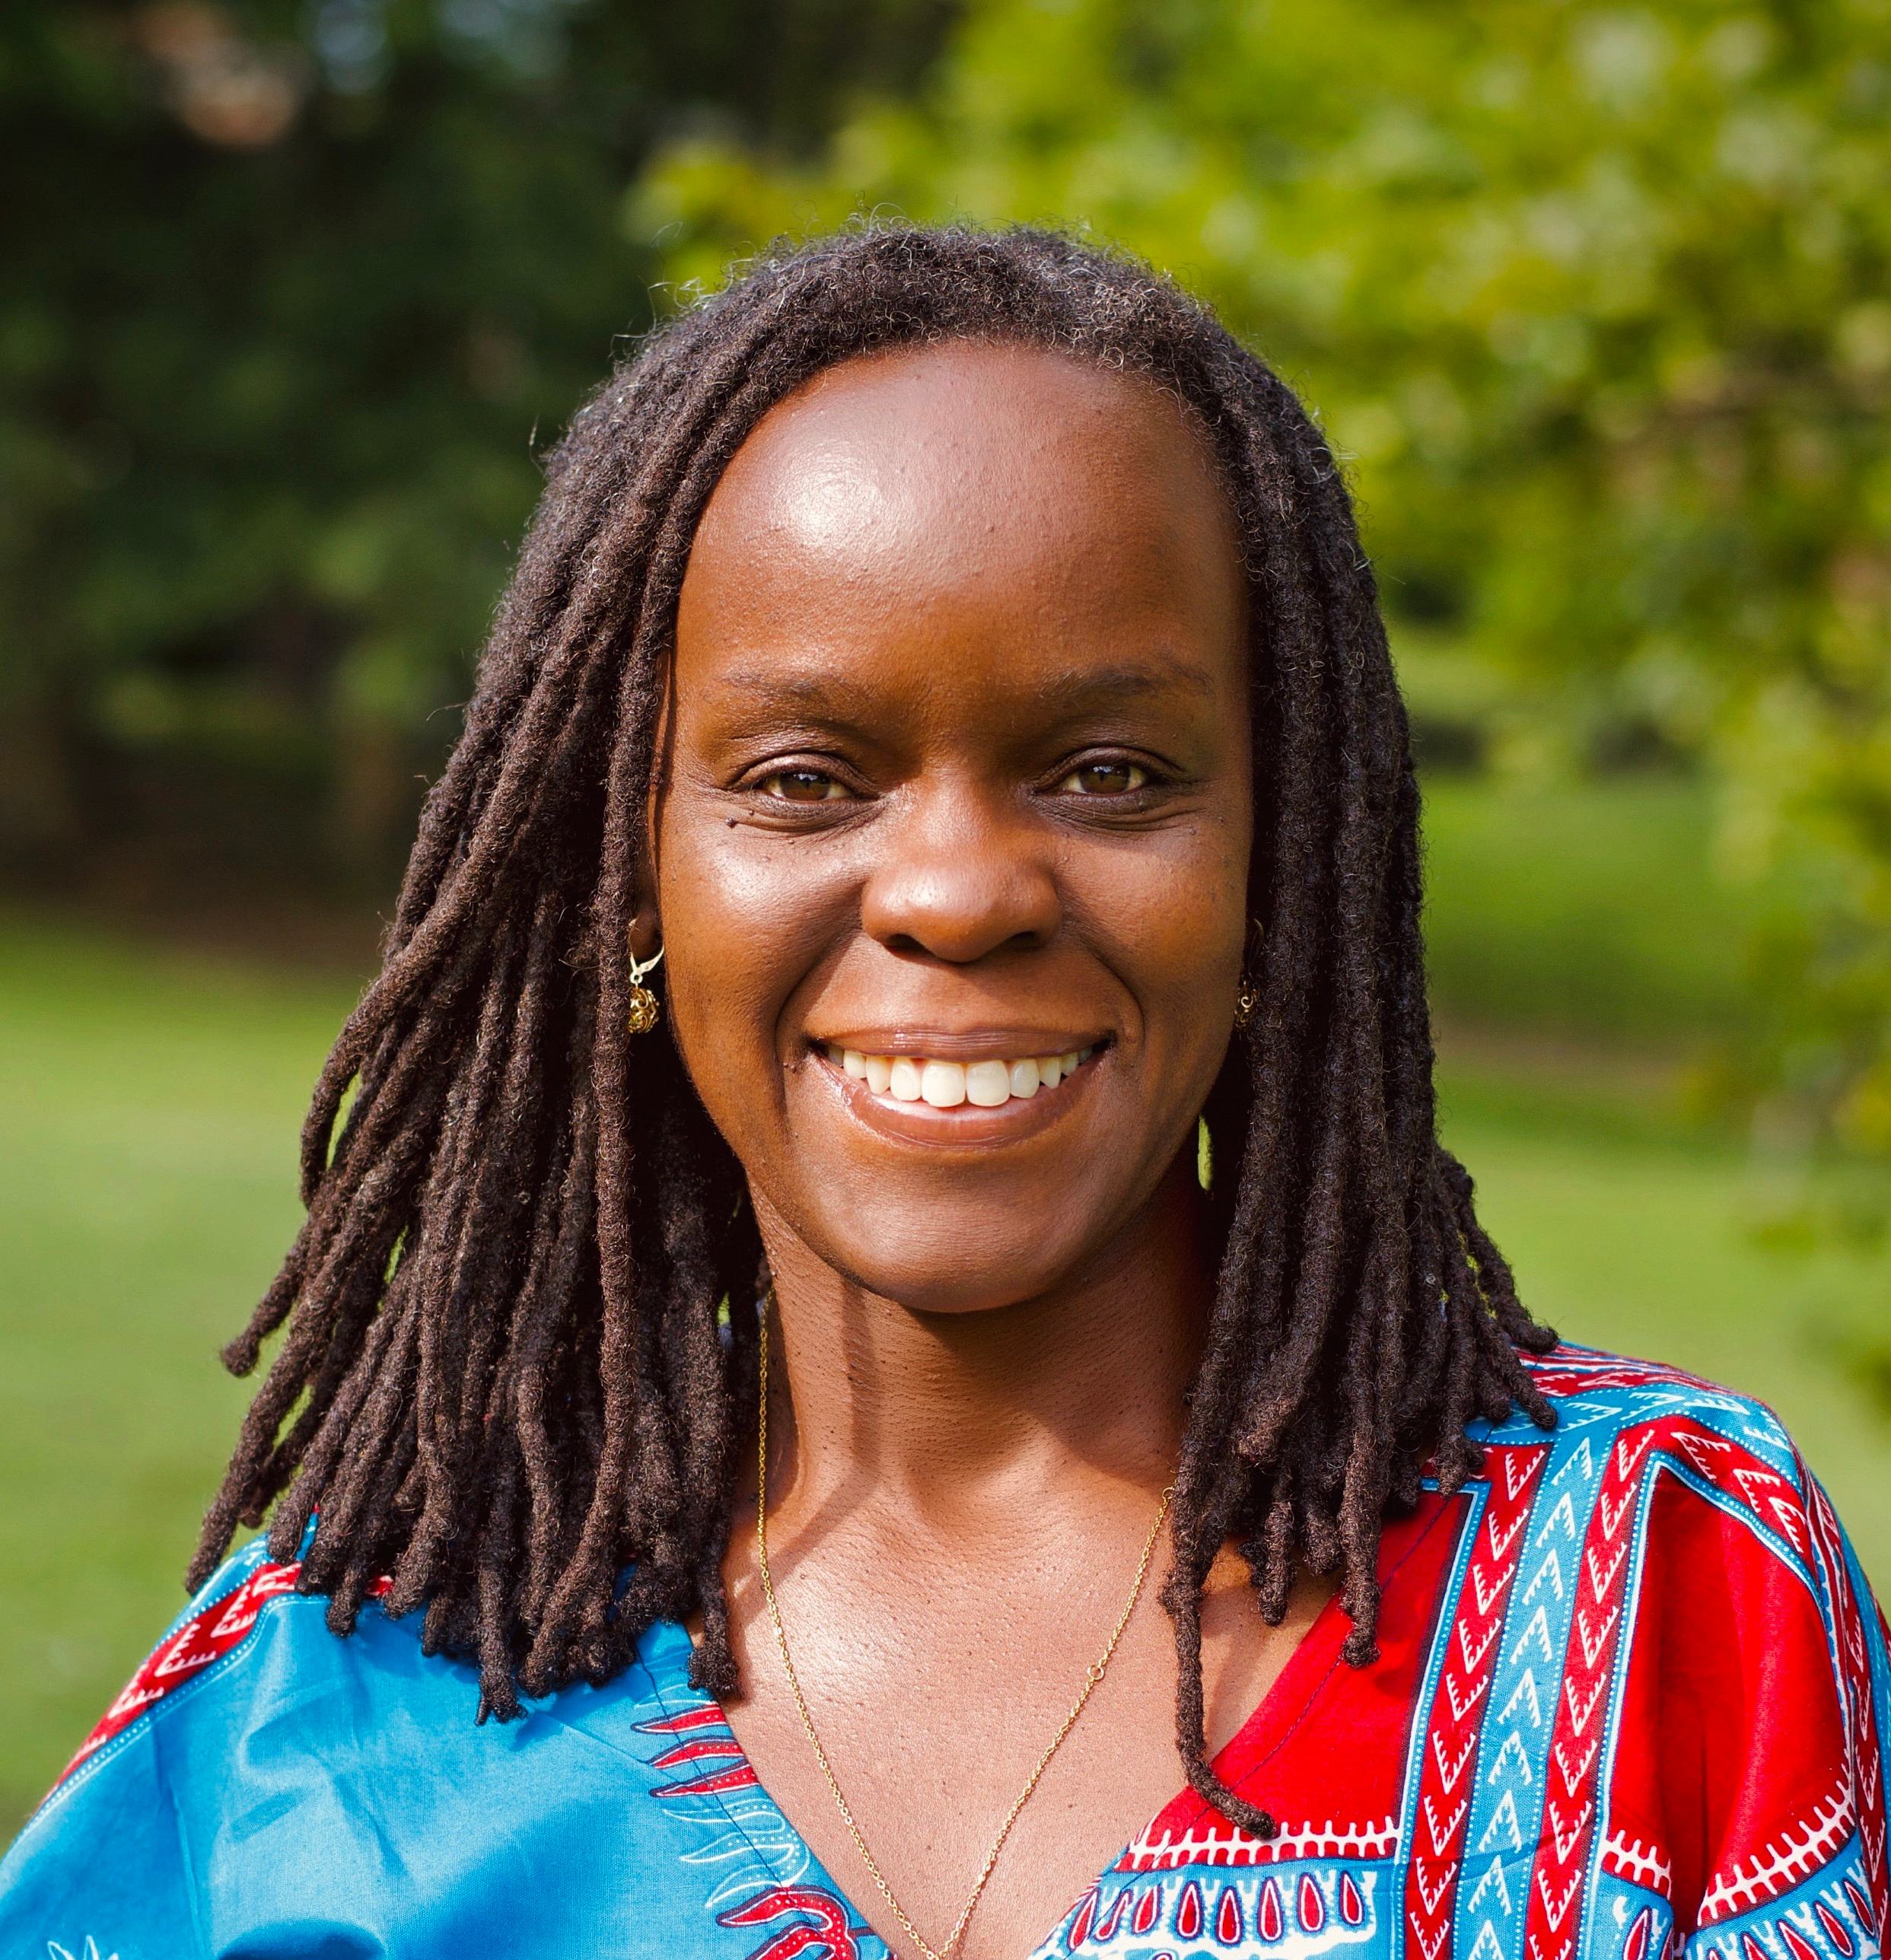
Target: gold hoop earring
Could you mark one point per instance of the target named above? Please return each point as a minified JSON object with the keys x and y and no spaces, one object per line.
{"x":646,"y":1011}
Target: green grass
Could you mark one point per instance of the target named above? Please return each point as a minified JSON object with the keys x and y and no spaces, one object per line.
{"x":147,"y":1191}
{"x":149,"y":1104}
{"x":1586,"y":907}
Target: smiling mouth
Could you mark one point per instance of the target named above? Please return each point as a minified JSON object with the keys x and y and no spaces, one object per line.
{"x":943,"y":1084}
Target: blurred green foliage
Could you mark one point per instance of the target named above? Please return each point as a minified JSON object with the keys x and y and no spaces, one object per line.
{"x":1583,"y":910}
{"x":1595,"y":301}
{"x":1591,"y":299}
{"x":289,"y":289}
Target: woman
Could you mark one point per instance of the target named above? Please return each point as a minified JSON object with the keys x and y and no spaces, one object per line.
{"x":952,"y":657}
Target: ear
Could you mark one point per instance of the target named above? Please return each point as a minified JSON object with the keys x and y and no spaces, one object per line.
{"x":646,"y":924}
{"x":646,"y":920}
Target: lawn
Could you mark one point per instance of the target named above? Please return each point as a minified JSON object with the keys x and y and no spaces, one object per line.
{"x":151,"y":1101}
{"x":1588,"y":907}
{"x":147,"y":1151}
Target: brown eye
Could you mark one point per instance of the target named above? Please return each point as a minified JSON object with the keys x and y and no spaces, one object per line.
{"x":1105,"y":779}
{"x":802,"y":786}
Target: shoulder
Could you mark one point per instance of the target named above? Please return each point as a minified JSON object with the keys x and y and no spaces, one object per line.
{"x":1721,"y":1680}
{"x":1592,"y":1388}
{"x":1657,"y":1478}
{"x":1658,"y":1490}
{"x":1623,"y":1424}
{"x":196,"y":1657}
{"x":248,"y":1645}
{"x":1666,"y":1517}
{"x":257,"y":1759}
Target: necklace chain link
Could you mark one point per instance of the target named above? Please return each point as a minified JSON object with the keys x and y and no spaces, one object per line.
{"x":1093,"y":1675}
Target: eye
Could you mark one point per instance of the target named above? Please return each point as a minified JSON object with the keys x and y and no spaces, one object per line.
{"x":803,"y":786}
{"x":1105,"y":778}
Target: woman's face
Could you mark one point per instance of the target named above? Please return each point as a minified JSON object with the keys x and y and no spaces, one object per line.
{"x":955,"y":786}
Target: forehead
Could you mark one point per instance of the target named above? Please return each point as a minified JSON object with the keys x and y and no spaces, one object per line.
{"x":981,"y":479}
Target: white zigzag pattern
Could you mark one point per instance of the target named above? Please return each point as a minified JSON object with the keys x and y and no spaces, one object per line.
{"x":1785,"y":1862}
{"x":1641,"y":1864}
{"x":1150,"y":1853}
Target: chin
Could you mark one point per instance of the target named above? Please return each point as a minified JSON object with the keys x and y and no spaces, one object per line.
{"x":957,"y":1264}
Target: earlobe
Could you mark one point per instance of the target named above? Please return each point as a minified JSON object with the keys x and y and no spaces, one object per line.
{"x":645,"y":936}
{"x":646,"y":922}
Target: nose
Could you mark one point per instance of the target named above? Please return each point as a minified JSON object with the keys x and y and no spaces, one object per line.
{"x":960,"y":873}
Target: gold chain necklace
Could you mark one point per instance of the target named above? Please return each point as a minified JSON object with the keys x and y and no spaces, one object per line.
{"x":1093,"y":1675}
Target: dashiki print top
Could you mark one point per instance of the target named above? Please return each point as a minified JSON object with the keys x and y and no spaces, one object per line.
{"x":1633,"y":1698}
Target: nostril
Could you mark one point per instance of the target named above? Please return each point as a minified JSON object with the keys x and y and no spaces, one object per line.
{"x":958,"y":901}
{"x":909,"y":943}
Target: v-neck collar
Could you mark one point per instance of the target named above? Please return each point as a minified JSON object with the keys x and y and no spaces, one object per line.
{"x":1288,"y":1701}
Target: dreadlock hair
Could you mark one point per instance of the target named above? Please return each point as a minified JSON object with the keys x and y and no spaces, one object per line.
{"x":505,"y":1383}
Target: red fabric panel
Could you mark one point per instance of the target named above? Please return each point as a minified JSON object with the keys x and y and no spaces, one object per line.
{"x":1732,"y":1742}
{"x":1340,"y":1778}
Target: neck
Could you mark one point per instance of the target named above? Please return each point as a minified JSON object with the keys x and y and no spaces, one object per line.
{"x":940,"y":1416}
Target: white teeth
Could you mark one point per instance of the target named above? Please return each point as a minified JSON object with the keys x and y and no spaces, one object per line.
{"x":987,"y":1083}
{"x":942,"y":1083}
{"x":945,"y":1085}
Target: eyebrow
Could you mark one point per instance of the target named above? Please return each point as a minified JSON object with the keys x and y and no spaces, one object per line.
{"x":813,"y":693}
{"x":1081,"y":686}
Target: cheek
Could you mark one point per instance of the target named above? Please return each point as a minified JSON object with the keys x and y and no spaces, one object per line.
{"x":745,"y":916}
{"x":1176,"y":923}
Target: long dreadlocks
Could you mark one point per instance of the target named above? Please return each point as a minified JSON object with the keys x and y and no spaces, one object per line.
{"x":504,"y":1383}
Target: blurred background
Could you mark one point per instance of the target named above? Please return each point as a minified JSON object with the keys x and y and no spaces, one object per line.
{"x":1591,"y":299}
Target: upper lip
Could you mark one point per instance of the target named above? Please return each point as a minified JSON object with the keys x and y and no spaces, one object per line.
{"x":962,"y":1044}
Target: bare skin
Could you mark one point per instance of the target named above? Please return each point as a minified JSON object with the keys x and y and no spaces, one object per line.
{"x":956,"y":764}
